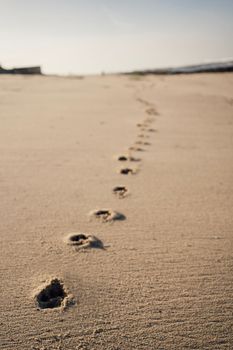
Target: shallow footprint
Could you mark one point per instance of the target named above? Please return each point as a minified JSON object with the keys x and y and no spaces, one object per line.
{"x":128,"y":158}
{"x":52,"y":295}
{"x":133,"y":159}
{"x":143,"y":136}
{"x":120,"y":191}
{"x":142,"y":143}
{"x":151,"y":111}
{"x":141,"y":100}
{"x":107,"y":215}
{"x":149,"y":120}
{"x":136,"y":149}
{"x":142,"y":125}
{"x":82,"y":241}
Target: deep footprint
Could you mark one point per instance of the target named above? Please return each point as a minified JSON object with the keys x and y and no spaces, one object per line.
{"x":120,"y":191}
{"x":122,"y":158}
{"x":107,"y":215}
{"x":81,"y":240}
{"x":52,"y":295}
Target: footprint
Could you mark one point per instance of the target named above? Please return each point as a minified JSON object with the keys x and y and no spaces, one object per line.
{"x":142,"y":143}
{"x":127,"y":171}
{"x":149,"y":120}
{"x":81,"y":240}
{"x":136,"y":149}
{"x":141,"y":100}
{"x":128,"y":158}
{"x":133,"y":159}
{"x":122,"y":158}
{"x":52,"y":295}
{"x":120,"y":191}
{"x":151,"y":111}
{"x":142,"y":125}
{"x":142,"y":136}
{"x":107,"y":215}
{"x":148,"y":130}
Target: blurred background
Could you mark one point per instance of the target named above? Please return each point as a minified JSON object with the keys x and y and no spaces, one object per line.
{"x":94,"y":36}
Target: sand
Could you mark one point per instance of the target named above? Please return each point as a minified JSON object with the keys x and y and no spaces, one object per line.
{"x":162,"y":277}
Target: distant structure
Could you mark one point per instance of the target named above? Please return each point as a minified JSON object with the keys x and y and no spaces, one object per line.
{"x":218,"y":67}
{"x":24,"y":70}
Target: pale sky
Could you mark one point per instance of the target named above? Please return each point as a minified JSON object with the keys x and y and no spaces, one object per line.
{"x":91,"y":36}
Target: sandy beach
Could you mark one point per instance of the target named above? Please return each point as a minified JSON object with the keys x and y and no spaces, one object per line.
{"x":142,"y":168}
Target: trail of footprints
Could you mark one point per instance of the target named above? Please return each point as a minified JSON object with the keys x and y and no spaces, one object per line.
{"x":53,"y":293}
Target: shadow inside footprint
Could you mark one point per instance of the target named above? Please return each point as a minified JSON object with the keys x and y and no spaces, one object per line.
{"x":81,"y":240}
{"x":107,"y":215}
{"x":52,"y":295}
{"x":122,"y":158}
{"x":120,"y":191}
